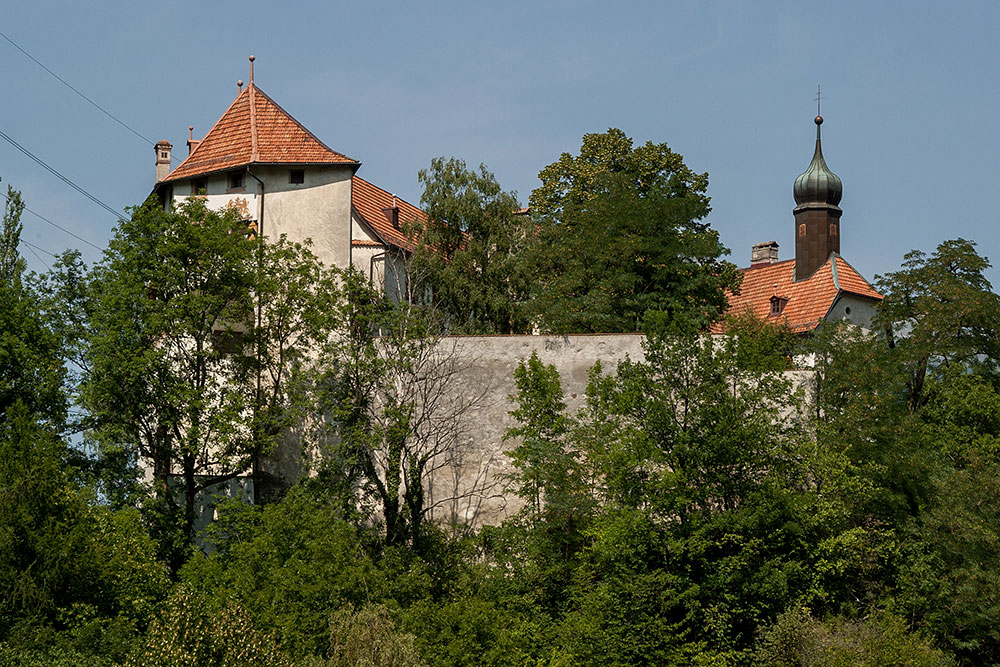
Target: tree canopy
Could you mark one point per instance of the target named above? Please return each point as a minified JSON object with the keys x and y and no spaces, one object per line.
{"x":620,"y":233}
{"x":468,"y":252}
{"x":742,"y":499}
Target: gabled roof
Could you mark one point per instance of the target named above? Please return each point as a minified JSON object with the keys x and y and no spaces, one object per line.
{"x":808,"y":301}
{"x":255,"y":130}
{"x":370,"y":201}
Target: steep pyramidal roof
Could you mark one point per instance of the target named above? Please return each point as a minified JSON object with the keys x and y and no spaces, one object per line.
{"x":255,"y":130}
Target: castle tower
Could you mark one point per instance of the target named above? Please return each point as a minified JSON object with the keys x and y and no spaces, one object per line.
{"x":817,"y":214}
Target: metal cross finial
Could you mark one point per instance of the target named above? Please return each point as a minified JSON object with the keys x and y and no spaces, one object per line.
{"x":819,"y":98}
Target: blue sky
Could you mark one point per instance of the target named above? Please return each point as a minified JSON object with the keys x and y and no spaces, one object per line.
{"x":910,"y":98}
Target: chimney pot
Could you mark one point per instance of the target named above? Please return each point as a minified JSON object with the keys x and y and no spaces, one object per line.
{"x":192,"y":142}
{"x":764,"y":253}
{"x":162,"y":148}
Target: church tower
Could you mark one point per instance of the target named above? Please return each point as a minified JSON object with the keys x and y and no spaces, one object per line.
{"x":817,"y":214}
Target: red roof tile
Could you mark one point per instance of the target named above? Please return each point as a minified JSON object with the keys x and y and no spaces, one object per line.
{"x":255,"y":130}
{"x":370,"y":200}
{"x":808,"y":300}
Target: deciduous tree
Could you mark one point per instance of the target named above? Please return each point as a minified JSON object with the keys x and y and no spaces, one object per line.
{"x":468,"y":252}
{"x":621,"y":233}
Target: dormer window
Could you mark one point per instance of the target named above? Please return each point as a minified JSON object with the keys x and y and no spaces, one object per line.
{"x":777,"y":305}
{"x":297,"y":176}
{"x":199,"y":186}
{"x":236,"y":180}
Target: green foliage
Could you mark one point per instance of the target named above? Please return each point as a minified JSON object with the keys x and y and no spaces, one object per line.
{"x":196,"y":343}
{"x":30,"y":368}
{"x":292,"y":562}
{"x":12,"y":264}
{"x":191,"y":633}
{"x":620,"y":235}
{"x":468,"y":251}
{"x":548,"y":474}
{"x":157,"y":381}
{"x":367,"y":637}
{"x":949,"y":581}
{"x":72,"y":577}
{"x":798,"y":640}
{"x":940,"y":310}
{"x":46,"y":528}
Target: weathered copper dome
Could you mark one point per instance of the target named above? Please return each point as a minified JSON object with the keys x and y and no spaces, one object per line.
{"x":818,"y":185}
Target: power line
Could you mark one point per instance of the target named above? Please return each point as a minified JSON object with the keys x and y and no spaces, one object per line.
{"x":70,"y":86}
{"x":59,"y":227}
{"x":61,"y":177}
{"x":32,"y":248}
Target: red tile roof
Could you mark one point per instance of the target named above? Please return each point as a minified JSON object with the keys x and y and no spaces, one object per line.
{"x":808,"y":300}
{"x":255,"y":130}
{"x":370,"y":200}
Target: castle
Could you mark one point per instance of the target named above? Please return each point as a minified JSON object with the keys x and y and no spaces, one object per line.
{"x":262,"y":162}
{"x":283,"y":180}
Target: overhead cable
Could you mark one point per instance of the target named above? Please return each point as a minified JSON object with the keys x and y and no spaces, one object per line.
{"x":61,"y":177}
{"x":59,"y":227}
{"x":70,"y":86}
{"x":32,"y":246}
{"x":32,"y":249}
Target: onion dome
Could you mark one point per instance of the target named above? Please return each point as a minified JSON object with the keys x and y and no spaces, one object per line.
{"x":818,"y":185}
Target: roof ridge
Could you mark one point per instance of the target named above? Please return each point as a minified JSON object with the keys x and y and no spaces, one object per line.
{"x":763,"y":265}
{"x":253,"y":121}
{"x":391,"y":194}
{"x":205,"y":136}
{"x":301,"y":126}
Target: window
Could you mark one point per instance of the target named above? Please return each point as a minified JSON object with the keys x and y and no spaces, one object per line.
{"x":163,"y":154}
{"x":227,"y":341}
{"x":199,"y":186}
{"x":297,"y":176}
{"x":235,"y":180}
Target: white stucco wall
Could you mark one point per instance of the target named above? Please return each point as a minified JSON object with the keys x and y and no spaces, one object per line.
{"x":318,"y":209}
{"x":856,"y":310}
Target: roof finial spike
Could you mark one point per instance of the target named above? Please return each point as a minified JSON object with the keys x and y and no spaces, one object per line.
{"x":819,"y":117}
{"x":190,"y":132}
{"x":252,"y":58}
{"x":239,"y":85}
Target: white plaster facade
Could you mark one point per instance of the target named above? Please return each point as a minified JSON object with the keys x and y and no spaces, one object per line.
{"x":317,"y":210}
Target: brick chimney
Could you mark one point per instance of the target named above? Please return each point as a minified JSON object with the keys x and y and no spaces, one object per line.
{"x":764,"y":253}
{"x":192,"y":142}
{"x":392,"y":213}
{"x":163,"y":149}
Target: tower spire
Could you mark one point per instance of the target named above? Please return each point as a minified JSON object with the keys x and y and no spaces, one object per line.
{"x":817,"y":193}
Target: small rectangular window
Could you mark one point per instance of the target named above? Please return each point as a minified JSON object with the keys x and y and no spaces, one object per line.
{"x":227,"y":341}
{"x":235,"y":180}
{"x":297,"y":176}
{"x":199,"y":186}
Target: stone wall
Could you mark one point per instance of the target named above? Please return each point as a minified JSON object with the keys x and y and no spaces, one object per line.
{"x":469,"y":489}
